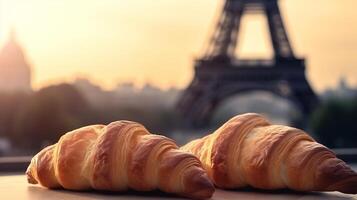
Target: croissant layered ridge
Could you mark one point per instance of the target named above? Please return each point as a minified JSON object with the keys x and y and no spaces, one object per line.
{"x":120,"y":156}
{"x":249,"y":151}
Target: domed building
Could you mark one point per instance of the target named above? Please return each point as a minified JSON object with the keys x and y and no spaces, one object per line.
{"x":15,"y":72}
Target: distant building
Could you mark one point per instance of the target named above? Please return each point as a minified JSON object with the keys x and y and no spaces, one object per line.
{"x":15,"y":72}
{"x":343,"y":90}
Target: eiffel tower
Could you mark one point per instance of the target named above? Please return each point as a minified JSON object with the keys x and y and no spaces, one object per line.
{"x":219,"y":75}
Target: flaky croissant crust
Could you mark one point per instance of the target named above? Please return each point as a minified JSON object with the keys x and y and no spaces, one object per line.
{"x":248,"y":151}
{"x":116,"y":157}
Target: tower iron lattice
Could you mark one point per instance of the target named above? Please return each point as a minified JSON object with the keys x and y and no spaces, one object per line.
{"x":219,"y":74}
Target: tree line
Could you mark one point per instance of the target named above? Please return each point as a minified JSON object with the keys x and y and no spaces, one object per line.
{"x":32,"y":121}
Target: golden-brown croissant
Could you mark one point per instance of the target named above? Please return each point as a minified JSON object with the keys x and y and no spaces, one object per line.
{"x":249,"y":151}
{"x":117,"y":157}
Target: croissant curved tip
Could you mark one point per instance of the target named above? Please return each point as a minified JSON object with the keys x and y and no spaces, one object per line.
{"x":348,"y":186}
{"x":30,"y":178}
{"x":201,"y":187}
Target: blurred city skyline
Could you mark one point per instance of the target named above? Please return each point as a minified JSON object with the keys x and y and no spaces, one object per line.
{"x":156,"y":42}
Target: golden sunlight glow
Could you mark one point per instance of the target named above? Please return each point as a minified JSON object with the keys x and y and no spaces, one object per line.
{"x":113,"y":41}
{"x":254,"y":40}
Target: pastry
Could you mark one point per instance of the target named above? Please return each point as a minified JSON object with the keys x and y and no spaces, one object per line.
{"x":249,"y":151}
{"x":120,"y":156}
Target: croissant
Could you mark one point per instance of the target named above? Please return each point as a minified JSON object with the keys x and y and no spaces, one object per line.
{"x":249,"y":151}
{"x":122,"y":155}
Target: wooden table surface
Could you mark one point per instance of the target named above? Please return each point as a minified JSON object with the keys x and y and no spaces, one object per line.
{"x":16,"y":187}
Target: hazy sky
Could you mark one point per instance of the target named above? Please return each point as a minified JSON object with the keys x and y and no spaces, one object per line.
{"x":113,"y":41}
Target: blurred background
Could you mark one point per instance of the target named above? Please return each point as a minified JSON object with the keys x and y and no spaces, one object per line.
{"x":65,"y":64}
